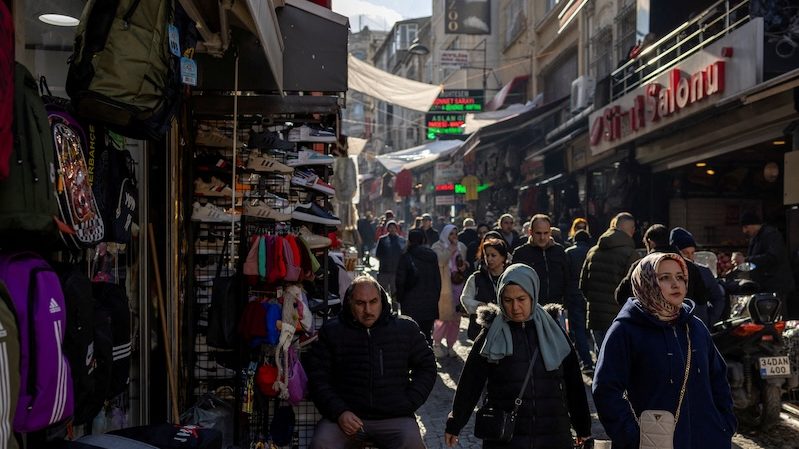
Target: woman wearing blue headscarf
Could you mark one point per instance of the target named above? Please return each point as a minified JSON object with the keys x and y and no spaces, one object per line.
{"x":516,"y":331}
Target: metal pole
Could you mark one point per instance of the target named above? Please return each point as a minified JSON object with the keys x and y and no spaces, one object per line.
{"x":485,"y":70}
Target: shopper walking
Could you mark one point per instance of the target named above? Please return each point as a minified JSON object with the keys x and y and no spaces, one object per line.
{"x":388,"y":253}
{"x":481,"y":287}
{"x":658,"y":357}
{"x":683,"y":241}
{"x":768,"y":253}
{"x":518,"y":338}
{"x":430,"y":233}
{"x":367,"y":234}
{"x":605,"y":266}
{"x":548,"y":259}
{"x":419,"y":283}
{"x":575,"y":301}
{"x":452,"y":269}
{"x":505,"y":228}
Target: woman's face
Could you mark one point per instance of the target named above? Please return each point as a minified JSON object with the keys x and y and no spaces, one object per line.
{"x":517,"y":303}
{"x":453,"y":236}
{"x":672,"y":281}
{"x":494,"y":260}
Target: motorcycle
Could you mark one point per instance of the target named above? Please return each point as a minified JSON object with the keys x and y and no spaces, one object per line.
{"x":751,"y":342}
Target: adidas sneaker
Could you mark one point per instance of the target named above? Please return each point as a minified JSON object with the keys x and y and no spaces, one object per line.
{"x":312,"y":213}
{"x":215,"y":188}
{"x":267,"y":164}
{"x":210,"y":213}
{"x":310,"y":157}
{"x":314,"y":241}
{"x":259,"y":209}
{"x":311,"y":181}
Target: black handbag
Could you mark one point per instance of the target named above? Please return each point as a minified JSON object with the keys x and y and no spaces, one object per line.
{"x":493,"y":424}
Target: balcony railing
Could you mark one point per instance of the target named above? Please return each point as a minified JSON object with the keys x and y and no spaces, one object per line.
{"x":689,"y":38}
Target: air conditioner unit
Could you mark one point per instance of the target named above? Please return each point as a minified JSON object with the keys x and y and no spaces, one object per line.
{"x":582,"y":93}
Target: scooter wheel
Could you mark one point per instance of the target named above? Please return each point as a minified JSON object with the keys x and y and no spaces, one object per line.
{"x":771,"y":397}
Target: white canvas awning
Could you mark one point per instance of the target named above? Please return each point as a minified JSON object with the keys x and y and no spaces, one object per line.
{"x":418,"y":156}
{"x":374,"y":82}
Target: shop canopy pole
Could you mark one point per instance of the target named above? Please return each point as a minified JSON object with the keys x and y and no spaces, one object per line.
{"x":235,"y":146}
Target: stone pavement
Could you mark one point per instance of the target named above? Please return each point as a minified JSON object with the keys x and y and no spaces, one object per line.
{"x":433,"y":414}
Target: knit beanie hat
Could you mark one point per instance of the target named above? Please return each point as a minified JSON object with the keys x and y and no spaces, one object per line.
{"x":680,"y":238}
{"x":750,"y":218}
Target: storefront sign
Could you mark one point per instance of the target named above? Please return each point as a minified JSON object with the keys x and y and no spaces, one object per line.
{"x":467,"y":17}
{"x":453,"y":59}
{"x":448,"y":113}
{"x":447,"y":173}
{"x":701,"y":81}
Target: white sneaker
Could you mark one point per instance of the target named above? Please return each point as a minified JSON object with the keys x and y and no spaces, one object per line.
{"x":312,"y":181}
{"x":259,"y":209}
{"x":267,"y":164}
{"x":310,"y":157}
{"x":209,"y":137}
{"x":214,"y":188}
{"x":211,"y":214}
{"x":314,"y":241}
{"x":439,"y":351}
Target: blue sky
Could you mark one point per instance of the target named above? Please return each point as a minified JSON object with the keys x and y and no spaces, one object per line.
{"x":381,"y":14}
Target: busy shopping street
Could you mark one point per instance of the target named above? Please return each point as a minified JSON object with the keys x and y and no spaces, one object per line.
{"x":399,"y":224}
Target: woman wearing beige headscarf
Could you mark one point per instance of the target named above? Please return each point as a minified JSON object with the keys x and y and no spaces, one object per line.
{"x":452,"y":268}
{"x":658,"y":356}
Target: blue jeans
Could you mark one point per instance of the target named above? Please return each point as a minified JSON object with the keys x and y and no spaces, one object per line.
{"x":576,"y":309}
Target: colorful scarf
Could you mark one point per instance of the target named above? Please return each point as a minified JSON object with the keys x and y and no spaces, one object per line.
{"x":646,"y":289}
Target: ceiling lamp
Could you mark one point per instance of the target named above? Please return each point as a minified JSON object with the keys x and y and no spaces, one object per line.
{"x":60,"y":20}
{"x":701,"y":164}
{"x":710,"y":172}
{"x":778,"y":142}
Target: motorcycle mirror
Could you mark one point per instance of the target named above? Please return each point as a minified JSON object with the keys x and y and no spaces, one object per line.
{"x":746,"y":267}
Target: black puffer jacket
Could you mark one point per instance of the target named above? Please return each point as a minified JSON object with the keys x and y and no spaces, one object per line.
{"x":772,"y":267}
{"x":553,"y":402}
{"x":552,"y":268}
{"x":605,"y":266}
{"x":419,"y":283}
{"x":388,"y":252}
{"x":386,"y":371}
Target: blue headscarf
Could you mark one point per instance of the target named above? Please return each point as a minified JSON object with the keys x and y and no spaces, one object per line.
{"x":552,"y":342}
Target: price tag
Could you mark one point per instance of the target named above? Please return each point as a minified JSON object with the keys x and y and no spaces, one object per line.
{"x":174,"y":40}
{"x":188,"y":71}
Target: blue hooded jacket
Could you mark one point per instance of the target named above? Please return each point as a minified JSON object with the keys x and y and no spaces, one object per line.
{"x":646,"y":357}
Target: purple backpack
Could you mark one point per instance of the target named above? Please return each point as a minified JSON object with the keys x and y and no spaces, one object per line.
{"x":45,"y":389}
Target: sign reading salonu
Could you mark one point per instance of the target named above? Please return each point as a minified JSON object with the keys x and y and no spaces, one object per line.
{"x":696,"y":84}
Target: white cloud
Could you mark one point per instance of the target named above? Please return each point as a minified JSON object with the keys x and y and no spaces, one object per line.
{"x":363,"y":12}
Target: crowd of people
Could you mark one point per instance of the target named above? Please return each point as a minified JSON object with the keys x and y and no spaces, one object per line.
{"x":542,"y":309}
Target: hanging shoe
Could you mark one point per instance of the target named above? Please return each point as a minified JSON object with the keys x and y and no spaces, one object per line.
{"x":312,"y":213}
{"x":258,"y":209}
{"x":209,"y":213}
{"x":210,"y":137}
{"x":267,"y":164}
{"x":310,"y":157}
{"x":311,"y":181}
{"x":206,"y":370}
{"x":215,"y":188}
{"x":314,"y":241}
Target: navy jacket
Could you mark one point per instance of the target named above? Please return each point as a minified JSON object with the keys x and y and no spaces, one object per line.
{"x":646,"y":357}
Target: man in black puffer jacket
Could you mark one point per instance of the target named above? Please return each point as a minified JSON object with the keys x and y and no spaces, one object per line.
{"x":368,"y":373}
{"x":548,"y":259}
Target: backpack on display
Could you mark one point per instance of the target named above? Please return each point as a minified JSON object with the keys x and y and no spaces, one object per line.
{"x":6,"y":88}
{"x":122,"y":73}
{"x":9,"y":354}
{"x":28,"y":202}
{"x":79,"y":340}
{"x":113,"y":182}
{"x":174,"y":436}
{"x":45,"y":390}
{"x":112,"y":307}
{"x":81,"y":224}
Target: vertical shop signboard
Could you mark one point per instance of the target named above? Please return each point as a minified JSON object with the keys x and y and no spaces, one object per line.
{"x":467,"y":17}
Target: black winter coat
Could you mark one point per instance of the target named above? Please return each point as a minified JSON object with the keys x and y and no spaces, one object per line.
{"x":575,"y":257}
{"x":385,"y":371}
{"x":553,"y":402}
{"x":388,"y":252}
{"x":605,"y":266}
{"x":552,"y":268}
{"x":419,"y":283}
{"x":772,"y":267}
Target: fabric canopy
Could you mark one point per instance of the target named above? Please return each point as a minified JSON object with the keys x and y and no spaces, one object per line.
{"x":384,"y":86}
{"x":355,"y":145}
{"x":418,"y":156}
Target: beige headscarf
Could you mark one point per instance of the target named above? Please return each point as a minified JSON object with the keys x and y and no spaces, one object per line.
{"x":646,"y":289}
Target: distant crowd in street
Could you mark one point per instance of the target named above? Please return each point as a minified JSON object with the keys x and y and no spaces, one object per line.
{"x":542,"y":308}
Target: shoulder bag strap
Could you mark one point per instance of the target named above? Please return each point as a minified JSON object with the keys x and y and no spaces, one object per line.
{"x":687,"y":373}
{"x":518,"y":400}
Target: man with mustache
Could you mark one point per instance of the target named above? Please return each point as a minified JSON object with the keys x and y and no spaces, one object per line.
{"x":368,"y":372}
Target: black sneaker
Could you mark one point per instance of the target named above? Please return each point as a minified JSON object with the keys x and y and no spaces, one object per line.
{"x":312,"y":213}
{"x":267,"y":140}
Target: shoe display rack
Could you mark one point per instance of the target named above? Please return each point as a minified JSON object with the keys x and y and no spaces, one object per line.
{"x":262,"y":214}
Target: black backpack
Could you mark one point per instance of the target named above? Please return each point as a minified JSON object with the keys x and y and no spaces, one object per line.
{"x":112,"y":308}
{"x":114,"y":182}
{"x":79,"y":340}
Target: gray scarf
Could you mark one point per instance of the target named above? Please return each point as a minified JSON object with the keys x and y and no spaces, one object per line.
{"x":552,"y":342}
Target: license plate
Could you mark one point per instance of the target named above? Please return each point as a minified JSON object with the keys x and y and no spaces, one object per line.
{"x":775,"y":367}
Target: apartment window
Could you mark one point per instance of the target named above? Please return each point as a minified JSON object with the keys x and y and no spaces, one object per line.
{"x":558,"y":77}
{"x":515,"y":20}
{"x":602,"y":53}
{"x":626,"y":31}
{"x":404,"y":36}
{"x":551,"y":4}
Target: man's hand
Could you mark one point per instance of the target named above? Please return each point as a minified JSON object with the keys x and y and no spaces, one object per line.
{"x":349,"y":423}
{"x":450,"y":439}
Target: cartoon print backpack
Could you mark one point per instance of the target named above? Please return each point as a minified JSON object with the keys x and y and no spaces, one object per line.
{"x":45,"y":390}
{"x":81,"y":224}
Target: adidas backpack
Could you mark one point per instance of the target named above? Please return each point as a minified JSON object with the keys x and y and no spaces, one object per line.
{"x":27,"y":198}
{"x":9,"y":361}
{"x":112,"y":324}
{"x":45,"y":390}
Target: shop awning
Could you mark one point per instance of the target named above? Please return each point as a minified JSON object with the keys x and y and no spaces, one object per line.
{"x":473,"y":122}
{"x":516,"y":85}
{"x":390,"y":88}
{"x":418,"y":156}
{"x":521,"y":126}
